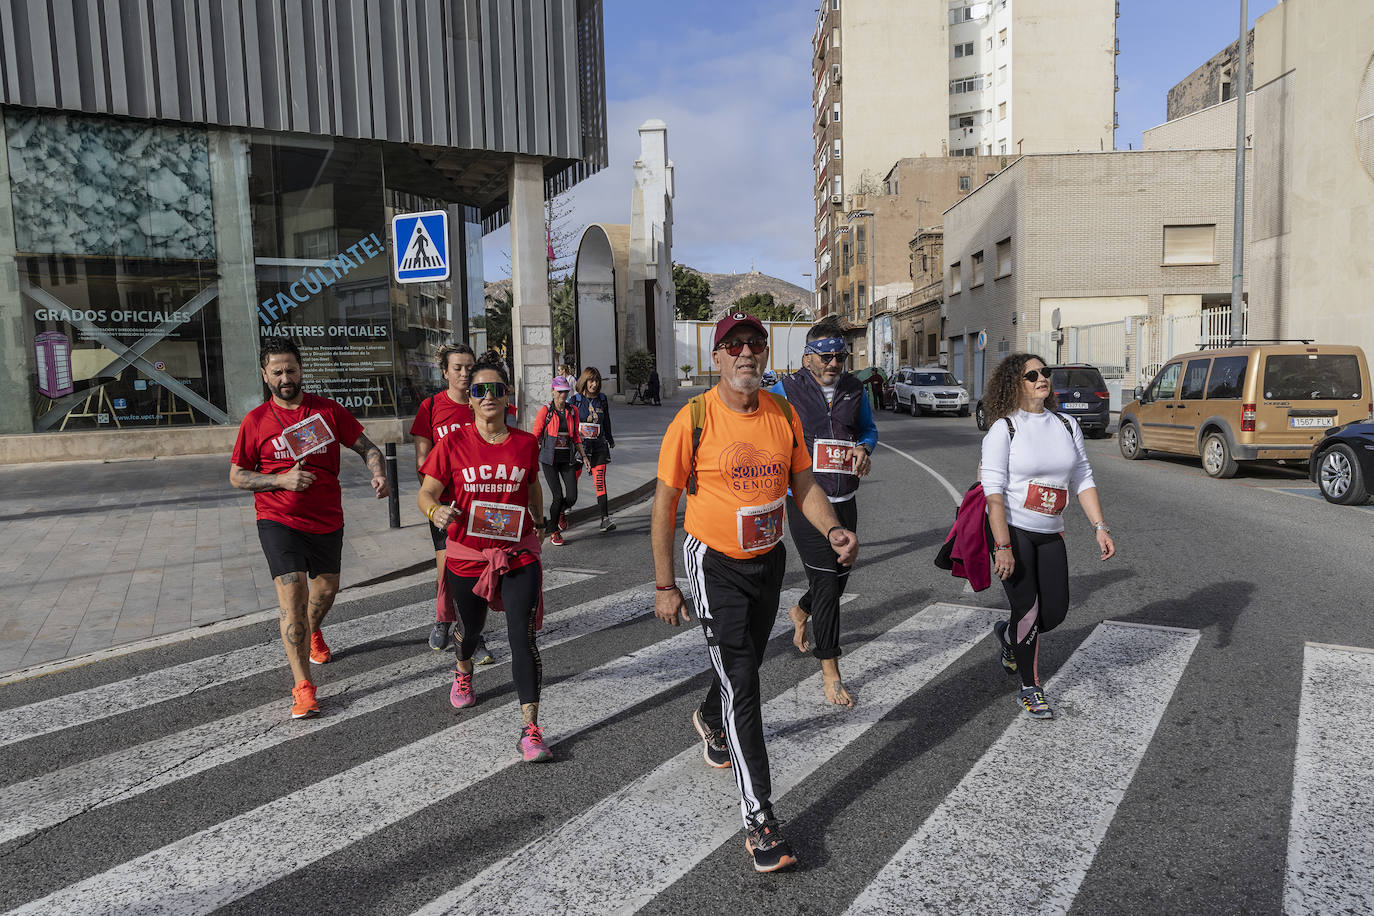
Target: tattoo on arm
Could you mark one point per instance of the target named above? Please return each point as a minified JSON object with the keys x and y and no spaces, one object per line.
{"x":244,"y":479}
{"x":372,"y":455}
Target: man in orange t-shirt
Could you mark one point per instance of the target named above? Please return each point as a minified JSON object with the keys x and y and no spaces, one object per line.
{"x":736,"y":479}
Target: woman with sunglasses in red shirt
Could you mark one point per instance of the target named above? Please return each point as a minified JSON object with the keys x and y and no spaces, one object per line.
{"x":494,"y":524}
{"x":1033,"y":460}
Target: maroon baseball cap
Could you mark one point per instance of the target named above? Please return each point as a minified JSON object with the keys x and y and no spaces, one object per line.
{"x":734,"y":320}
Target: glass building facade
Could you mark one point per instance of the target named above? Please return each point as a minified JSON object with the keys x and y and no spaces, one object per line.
{"x":150,"y":259}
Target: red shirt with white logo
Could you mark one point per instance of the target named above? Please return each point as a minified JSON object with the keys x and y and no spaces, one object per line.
{"x":478,"y":472}
{"x":440,"y":415}
{"x":260,"y":447}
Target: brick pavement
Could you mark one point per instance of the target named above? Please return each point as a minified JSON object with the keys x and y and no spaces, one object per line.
{"x":100,"y":554}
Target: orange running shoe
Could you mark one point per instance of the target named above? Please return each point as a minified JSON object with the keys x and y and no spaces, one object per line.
{"x":319,"y":652}
{"x":303,"y":704}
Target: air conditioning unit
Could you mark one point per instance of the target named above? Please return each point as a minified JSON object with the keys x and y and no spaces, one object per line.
{"x":836,"y":198}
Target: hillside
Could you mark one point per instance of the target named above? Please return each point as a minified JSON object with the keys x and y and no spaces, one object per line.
{"x":725,"y":289}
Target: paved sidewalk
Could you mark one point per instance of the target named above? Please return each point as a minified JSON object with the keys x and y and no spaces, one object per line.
{"x":94,"y":555}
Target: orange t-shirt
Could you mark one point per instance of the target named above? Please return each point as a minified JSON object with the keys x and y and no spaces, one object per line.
{"x":744,"y":460}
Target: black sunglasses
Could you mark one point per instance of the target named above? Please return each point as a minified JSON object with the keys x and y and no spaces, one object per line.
{"x":1038,"y":373}
{"x":735,"y":347}
{"x":832,"y":357}
{"x":480,"y":390}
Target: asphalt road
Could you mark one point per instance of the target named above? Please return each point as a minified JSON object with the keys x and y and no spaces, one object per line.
{"x":172,"y":780}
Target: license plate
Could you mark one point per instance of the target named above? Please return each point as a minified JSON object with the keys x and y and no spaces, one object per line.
{"x":1074,"y":406}
{"x":1307,"y":422}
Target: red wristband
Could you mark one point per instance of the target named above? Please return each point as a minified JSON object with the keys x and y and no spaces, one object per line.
{"x":664,"y":588}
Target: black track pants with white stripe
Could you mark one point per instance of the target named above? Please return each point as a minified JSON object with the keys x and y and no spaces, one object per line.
{"x":737,"y":603}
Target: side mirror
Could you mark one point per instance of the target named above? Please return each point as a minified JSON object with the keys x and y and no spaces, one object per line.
{"x":1139,"y":392}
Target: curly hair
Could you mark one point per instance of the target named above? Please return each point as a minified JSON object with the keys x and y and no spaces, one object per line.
{"x":1002,"y":397}
{"x":491,"y":361}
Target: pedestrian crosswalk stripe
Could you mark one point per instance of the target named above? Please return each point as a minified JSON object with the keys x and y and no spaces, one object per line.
{"x":1331,"y":832}
{"x":48,"y":799}
{"x":221,"y":864}
{"x":987,"y":846}
{"x":582,"y":867}
{"x":95,"y":703}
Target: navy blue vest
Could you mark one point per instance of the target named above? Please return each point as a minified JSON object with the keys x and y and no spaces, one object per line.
{"x":820,"y":420}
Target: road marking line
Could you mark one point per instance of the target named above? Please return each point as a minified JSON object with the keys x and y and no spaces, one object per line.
{"x":582,"y":867}
{"x":954,"y":494}
{"x":48,"y":799}
{"x":225,"y":862}
{"x":1331,"y":831}
{"x":984,"y":847}
{"x":96,"y":703}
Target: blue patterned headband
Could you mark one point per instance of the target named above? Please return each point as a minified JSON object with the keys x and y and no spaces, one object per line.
{"x":825,"y":345}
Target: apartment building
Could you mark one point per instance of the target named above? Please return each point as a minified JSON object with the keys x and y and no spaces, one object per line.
{"x":895,"y":79}
{"x":1067,"y":242}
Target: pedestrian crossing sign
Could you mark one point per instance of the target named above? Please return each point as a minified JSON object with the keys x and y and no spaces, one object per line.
{"x":420,"y":241}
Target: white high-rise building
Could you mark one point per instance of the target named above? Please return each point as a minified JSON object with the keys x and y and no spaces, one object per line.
{"x":900,"y":79}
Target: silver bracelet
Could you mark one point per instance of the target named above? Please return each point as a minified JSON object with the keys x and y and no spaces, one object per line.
{"x":1101,"y":526}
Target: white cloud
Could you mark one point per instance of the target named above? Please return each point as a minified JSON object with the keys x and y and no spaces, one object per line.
{"x":738,"y":112}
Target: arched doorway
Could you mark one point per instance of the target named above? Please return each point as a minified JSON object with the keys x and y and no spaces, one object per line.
{"x":597,"y":278}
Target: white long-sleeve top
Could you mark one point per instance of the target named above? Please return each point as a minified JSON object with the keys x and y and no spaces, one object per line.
{"x":1036,"y":471}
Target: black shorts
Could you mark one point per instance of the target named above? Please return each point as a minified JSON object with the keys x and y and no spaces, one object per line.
{"x":290,"y":550}
{"x":439,"y":536}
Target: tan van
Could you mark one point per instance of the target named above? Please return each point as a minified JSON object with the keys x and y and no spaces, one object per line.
{"x":1258,"y":402}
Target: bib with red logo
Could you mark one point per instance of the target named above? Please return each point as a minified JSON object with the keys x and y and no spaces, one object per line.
{"x":1047,"y":497}
{"x":760,"y":527}
{"x":499,"y":521}
{"x":834,"y":456}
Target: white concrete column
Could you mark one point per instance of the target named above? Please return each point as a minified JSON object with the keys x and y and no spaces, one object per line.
{"x":240,"y":336}
{"x":530,"y":318}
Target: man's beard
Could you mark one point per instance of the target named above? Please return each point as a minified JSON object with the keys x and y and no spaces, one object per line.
{"x":281,"y":390}
{"x":745,"y":384}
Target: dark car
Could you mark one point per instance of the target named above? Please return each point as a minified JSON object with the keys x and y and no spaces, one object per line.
{"x":1081,"y":393}
{"x":1342,"y":463}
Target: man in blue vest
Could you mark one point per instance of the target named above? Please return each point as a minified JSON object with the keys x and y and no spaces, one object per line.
{"x":840,"y":433}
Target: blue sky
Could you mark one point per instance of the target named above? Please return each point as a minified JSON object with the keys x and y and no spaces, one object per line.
{"x":732,"y":80}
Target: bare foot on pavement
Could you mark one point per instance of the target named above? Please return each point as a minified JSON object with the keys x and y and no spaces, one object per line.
{"x":835,"y":693}
{"x":799,"y":619}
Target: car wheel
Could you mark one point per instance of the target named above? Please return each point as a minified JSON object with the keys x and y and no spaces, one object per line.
{"x":1216,"y":456}
{"x":980,"y":416}
{"x":1128,"y":439}
{"x":1340,"y":478}
{"x":963,"y":411}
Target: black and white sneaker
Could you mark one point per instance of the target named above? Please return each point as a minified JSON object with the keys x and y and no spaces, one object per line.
{"x":607,"y":524}
{"x":713,"y":750}
{"x":765,"y":843}
{"x":438,"y":636}
{"x":1007,"y":656}
{"x":483,"y":655}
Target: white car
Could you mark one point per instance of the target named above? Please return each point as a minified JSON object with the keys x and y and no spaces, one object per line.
{"x":932,"y":389}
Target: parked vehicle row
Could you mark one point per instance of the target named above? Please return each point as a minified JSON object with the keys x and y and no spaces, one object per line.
{"x":928,"y":390}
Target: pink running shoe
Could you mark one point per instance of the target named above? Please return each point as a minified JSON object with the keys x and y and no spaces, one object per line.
{"x":532,"y":746}
{"x":461,"y":695}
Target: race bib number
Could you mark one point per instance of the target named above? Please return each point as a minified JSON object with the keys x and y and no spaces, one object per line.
{"x":590,"y":430}
{"x":307,"y":437}
{"x":834,"y":456}
{"x":760,"y":527}
{"x":562,"y":442}
{"x":498,"y":521}
{"x":1047,"y":497}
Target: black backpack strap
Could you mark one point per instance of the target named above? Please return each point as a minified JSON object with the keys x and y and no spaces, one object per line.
{"x":1011,"y":428}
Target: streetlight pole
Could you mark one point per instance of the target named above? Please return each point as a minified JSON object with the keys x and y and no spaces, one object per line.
{"x":1238,"y":219}
{"x":814,"y":304}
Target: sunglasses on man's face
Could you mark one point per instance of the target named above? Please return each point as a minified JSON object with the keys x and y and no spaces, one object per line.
{"x":839,"y":357}
{"x":736,"y":347}
{"x":481,"y":390}
{"x":1034,"y":374}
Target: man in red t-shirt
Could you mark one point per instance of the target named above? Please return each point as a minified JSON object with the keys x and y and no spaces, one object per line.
{"x":287,"y":454}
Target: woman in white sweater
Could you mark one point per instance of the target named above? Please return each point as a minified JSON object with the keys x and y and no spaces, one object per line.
{"x":1033,"y":461}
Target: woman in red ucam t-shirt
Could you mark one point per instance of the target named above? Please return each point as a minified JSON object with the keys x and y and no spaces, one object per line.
{"x":494,"y":522}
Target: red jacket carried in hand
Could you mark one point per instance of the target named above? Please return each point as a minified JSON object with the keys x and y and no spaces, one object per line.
{"x":967,"y":548}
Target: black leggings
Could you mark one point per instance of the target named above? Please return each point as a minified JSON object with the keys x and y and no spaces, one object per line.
{"x":1038,"y":591}
{"x":520,"y":593}
{"x":825,"y":577}
{"x":562,"y":481}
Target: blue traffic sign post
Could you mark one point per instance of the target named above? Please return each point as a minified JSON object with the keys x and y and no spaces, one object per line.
{"x":421,"y":246}
{"x":982,"y":339}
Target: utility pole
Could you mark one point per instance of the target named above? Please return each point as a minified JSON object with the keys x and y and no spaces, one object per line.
{"x":1238,"y":219}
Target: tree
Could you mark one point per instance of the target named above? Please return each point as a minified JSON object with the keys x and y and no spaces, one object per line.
{"x":564,"y":316}
{"x":765,"y":308}
{"x":499,"y":306}
{"x":693,"y":294}
{"x":637,"y":367}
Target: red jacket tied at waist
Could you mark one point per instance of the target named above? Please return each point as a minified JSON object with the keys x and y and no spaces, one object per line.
{"x":497,"y":563}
